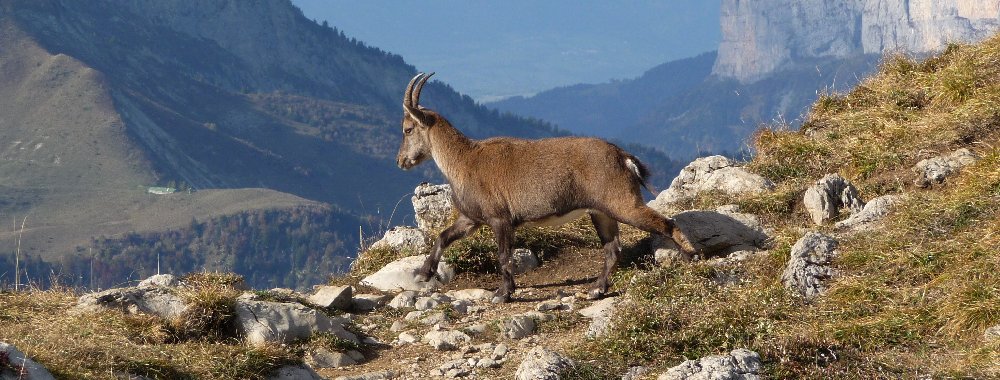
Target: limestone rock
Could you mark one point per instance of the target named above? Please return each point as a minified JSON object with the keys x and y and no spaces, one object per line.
{"x":874,"y":211}
{"x":403,"y":239}
{"x":992,"y":334}
{"x":160,"y":280}
{"x":474,"y":295}
{"x":712,"y":234}
{"x":368,"y":302}
{"x":18,"y":366}
{"x":635,"y":373}
{"x":432,"y":205}
{"x":935,"y":170}
{"x":809,"y":265}
{"x":523,"y":260}
{"x":600,"y":313}
{"x":713,"y":173}
{"x":827,"y":197}
{"x":519,"y":326}
{"x":381,"y":375}
{"x":446,"y":339}
{"x":323,"y":358}
{"x":740,"y":364}
{"x":152,"y":300}
{"x":404,"y":299}
{"x":542,"y":364}
{"x":261,"y":322}
{"x":337,"y":297}
{"x":402,"y":275}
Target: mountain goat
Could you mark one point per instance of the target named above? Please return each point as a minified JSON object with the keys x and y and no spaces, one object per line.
{"x":506,"y":182}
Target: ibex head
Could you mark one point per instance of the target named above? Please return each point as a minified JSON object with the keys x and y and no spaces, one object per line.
{"x":417,"y":121}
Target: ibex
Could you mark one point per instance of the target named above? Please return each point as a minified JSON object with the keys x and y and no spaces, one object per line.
{"x":506,"y":182}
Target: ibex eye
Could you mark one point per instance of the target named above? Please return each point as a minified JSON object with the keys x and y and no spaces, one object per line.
{"x":408,"y":130}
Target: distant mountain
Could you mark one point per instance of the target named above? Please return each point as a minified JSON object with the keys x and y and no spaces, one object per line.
{"x":249,"y":104}
{"x":775,"y":58}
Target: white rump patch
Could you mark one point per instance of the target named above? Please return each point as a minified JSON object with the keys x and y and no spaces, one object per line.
{"x":635,"y":168}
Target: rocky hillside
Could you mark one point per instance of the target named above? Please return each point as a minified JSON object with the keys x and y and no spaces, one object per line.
{"x":861,"y":246}
{"x":776,"y":58}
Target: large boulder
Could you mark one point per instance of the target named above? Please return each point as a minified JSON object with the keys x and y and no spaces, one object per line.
{"x":542,"y":364}
{"x":874,"y":211}
{"x":402,"y":275}
{"x":261,"y":322}
{"x":712,"y":234}
{"x":432,"y":206}
{"x":403,"y":239}
{"x":936,"y":169}
{"x":809,"y":265}
{"x":713,"y":173}
{"x":14,"y":365}
{"x":740,"y":364}
{"x":827,"y":197}
{"x":152,"y":300}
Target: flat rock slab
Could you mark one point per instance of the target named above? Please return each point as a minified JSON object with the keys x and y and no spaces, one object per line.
{"x":712,"y":234}
{"x":152,"y":300}
{"x":262,"y":322}
{"x":740,"y":364}
{"x":874,"y":211}
{"x":20,"y":367}
{"x":402,"y":275}
{"x":337,"y":297}
{"x":403,"y":239}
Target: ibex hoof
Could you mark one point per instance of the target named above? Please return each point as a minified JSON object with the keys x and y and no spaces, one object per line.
{"x":595,"y":294}
{"x":425,"y":277}
{"x":501,"y":297}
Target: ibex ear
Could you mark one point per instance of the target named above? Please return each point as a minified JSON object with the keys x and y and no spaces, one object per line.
{"x":424,"y":119}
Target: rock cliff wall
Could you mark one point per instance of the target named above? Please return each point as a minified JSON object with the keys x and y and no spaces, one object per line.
{"x":763,"y":36}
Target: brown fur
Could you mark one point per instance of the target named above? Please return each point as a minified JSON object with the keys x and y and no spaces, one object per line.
{"x":505,"y":182}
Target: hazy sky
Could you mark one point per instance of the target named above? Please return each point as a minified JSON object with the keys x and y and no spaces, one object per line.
{"x":490,"y":49}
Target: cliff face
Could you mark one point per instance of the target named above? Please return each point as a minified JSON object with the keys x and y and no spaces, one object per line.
{"x":764,"y":36}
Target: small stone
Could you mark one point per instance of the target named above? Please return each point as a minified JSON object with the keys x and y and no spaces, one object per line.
{"x":473,"y":295}
{"x":549,"y":305}
{"x":476,"y":329}
{"x":809,"y":265}
{"x":992,"y":334}
{"x":542,"y":364}
{"x":404,"y":299}
{"x":739,"y":364}
{"x":402,"y":275}
{"x":600,"y":314}
{"x":828,"y":196}
{"x":487,"y":363}
{"x":539,"y":316}
{"x":323,"y":358}
{"x":500,"y":351}
{"x":461,"y":306}
{"x":407,"y":338}
{"x":337,"y":297}
{"x":368,"y":302}
{"x":935,"y":170}
{"x":523,"y":260}
{"x":519,"y":326}
{"x":425,"y":303}
{"x":398,"y":326}
{"x":446,"y":340}
{"x":160,"y":280}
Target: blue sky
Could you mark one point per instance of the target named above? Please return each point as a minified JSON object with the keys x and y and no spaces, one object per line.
{"x":492,"y":49}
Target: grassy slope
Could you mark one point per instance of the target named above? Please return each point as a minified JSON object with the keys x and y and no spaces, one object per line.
{"x":913,"y":298}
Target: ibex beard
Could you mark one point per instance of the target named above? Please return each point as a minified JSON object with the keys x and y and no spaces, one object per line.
{"x":505,"y":183}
